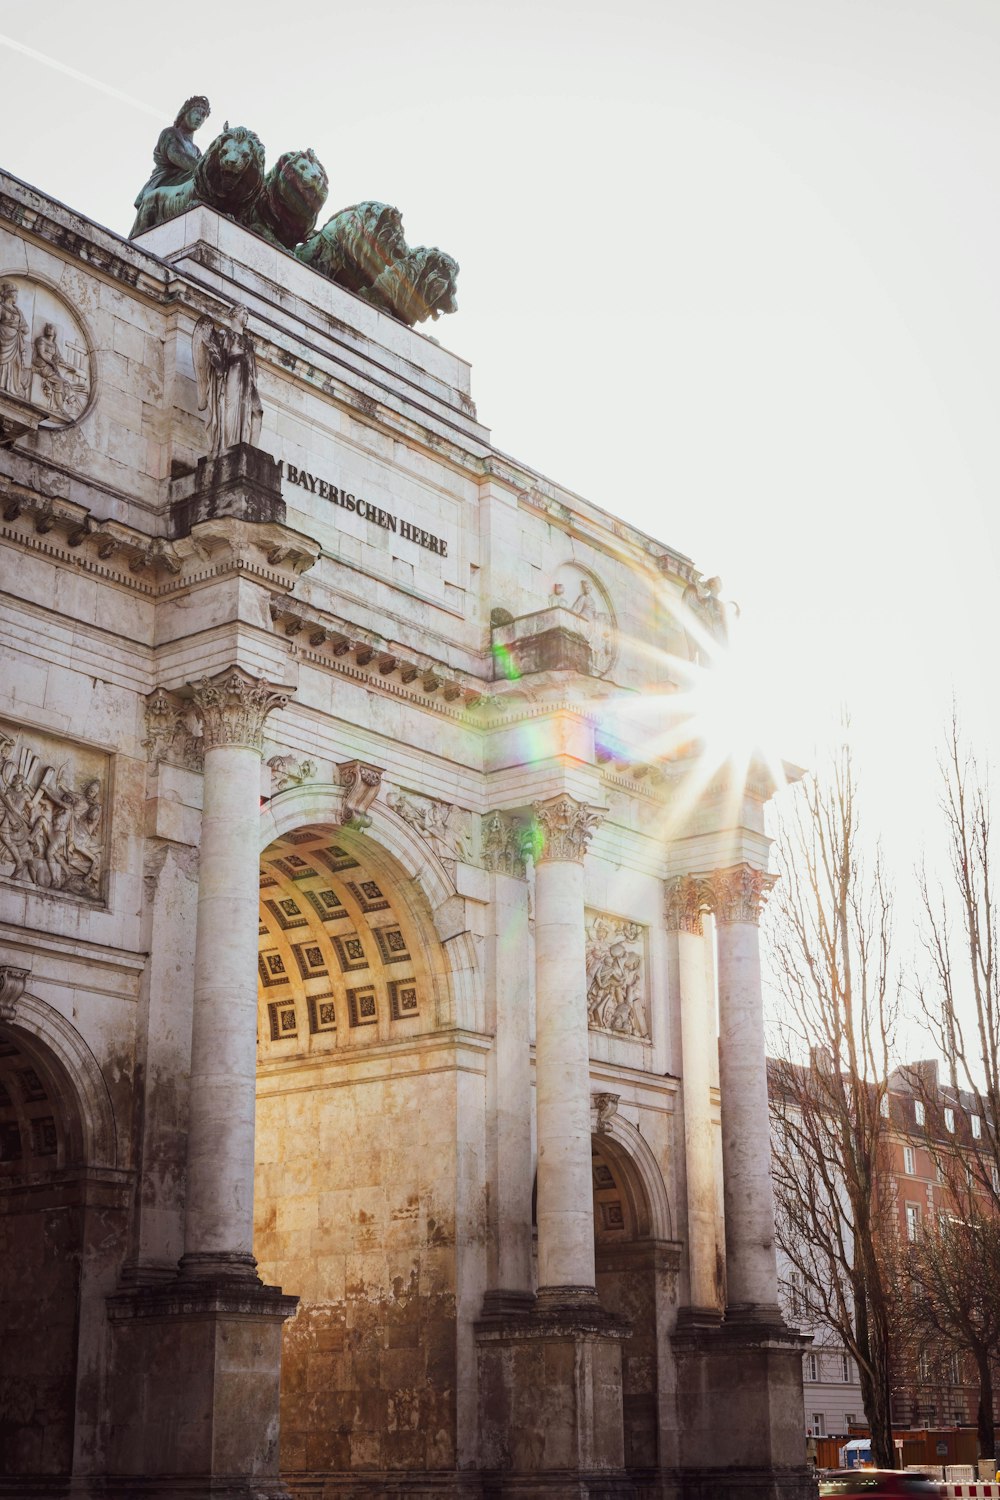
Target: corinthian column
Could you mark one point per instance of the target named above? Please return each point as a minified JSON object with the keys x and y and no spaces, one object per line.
{"x":563,"y":827}
{"x":737,"y":897}
{"x":685,"y":897}
{"x":218,"y":1231}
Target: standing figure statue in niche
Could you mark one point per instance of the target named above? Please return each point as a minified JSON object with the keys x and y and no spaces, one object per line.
{"x":226,"y":371}
{"x":15,"y":360}
{"x":708,"y":611}
{"x":175,"y":154}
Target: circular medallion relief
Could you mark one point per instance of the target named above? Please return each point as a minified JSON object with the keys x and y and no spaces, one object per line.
{"x":579,"y":590}
{"x":45,"y":357}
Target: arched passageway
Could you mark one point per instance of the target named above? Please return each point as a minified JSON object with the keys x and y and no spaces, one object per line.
{"x":41,"y":1237}
{"x":358,"y":1183}
{"x":626,"y":1266}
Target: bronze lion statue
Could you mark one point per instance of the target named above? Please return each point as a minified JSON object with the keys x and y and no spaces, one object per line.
{"x":356,"y":245}
{"x":229,"y":178}
{"x":420,"y":285}
{"x":295,"y":190}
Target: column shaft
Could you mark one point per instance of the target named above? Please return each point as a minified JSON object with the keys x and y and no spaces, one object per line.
{"x":218,"y":1224}
{"x":219,"y":1220}
{"x":562,"y":1080}
{"x":697,"y":1041}
{"x":751,"y":1266}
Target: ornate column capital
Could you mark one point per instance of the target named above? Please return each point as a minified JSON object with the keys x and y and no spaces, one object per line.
{"x":685,"y":898}
{"x":233,"y":707}
{"x":12,"y":983}
{"x":561,"y":829}
{"x":738,"y":894}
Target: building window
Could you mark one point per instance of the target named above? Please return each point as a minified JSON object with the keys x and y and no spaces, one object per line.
{"x":812,"y":1367}
{"x":818,"y":1428}
{"x":923,"y":1367}
{"x":883,"y":1106}
{"x":912,"y":1221}
{"x":977,"y":1127}
{"x":954,"y":1373}
{"x":918,"y":1111}
{"x":850,"y":1420}
{"x":799,"y":1301}
{"x":845,"y":1369}
{"x":909,"y":1161}
{"x":996,"y":1178}
{"x":949,"y":1120}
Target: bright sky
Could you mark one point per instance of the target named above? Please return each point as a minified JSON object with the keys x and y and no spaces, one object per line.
{"x":729,"y":269}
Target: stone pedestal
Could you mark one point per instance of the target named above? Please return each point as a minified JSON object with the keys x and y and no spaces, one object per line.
{"x":550,"y":1404}
{"x":740,"y":1413}
{"x":243,"y":483}
{"x":195,"y":1372}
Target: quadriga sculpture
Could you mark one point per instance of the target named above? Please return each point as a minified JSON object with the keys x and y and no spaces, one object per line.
{"x":356,"y":245}
{"x":295,"y":190}
{"x":420,"y":285}
{"x":229,"y":178}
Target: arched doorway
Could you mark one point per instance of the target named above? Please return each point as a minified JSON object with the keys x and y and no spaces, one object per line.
{"x":630,"y":1282}
{"x":359,"y":1190}
{"x":41,"y":1236}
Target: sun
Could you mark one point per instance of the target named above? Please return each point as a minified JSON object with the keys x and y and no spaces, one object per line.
{"x":719,"y":723}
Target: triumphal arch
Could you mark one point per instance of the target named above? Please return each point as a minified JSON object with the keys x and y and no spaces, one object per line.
{"x":382,"y":1091}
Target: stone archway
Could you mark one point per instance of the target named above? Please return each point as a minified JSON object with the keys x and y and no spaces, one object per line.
{"x":43,"y":1137}
{"x":358,"y":1189}
{"x":635,"y":1268}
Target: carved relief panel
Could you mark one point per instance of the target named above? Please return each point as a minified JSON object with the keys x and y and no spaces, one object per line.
{"x":578,"y":590}
{"x":45,"y":356}
{"x":53,"y":818}
{"x":617,"y":992}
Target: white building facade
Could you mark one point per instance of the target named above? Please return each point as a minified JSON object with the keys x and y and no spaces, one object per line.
{"x":360,"y":1087}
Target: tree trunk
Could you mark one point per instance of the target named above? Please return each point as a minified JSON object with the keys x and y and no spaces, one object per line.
{"x":875,"y":1386}
{"x":987,"y":1439}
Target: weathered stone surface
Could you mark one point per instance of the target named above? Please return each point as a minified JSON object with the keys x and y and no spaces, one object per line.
{"x":293,"y":947}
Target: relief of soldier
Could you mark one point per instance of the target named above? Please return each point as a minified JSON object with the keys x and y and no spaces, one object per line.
{"x":51,"y":833}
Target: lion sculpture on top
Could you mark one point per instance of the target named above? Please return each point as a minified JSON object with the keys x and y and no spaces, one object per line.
{"x":361,"y":248}
{"x":421,"y":284}
{"x":356,"y":245}
{"x":295,"y":190}
{"x":229,"y":178}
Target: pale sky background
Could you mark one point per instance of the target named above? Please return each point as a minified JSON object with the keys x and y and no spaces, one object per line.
{"x":729,"y":269}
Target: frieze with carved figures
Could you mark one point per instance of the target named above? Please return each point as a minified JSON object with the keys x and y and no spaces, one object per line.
{"x":46,"y":376}
{"x":52,"y":814}
{"x":616,"y":979}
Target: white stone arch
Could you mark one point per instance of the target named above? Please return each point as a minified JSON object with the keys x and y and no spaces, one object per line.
{"x":393,"y":844}
{"x":66,"y":1054}
{"x":628,"y":1150}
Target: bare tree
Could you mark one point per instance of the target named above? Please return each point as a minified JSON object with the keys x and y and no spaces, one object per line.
{"x":959,"y":1002}
{"x":954,"y":1299}
{"x":831,"y":948}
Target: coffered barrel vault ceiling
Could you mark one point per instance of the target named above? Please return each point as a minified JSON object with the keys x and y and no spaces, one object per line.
{"x":339,"y":957}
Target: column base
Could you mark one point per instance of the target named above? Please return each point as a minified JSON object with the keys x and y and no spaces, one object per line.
{"x":698,"y":1320}
{"x":218,"y":1265}
{"x":550,"y":1399}
{"x":195,"y":1374}
{"x":740,"y":1409}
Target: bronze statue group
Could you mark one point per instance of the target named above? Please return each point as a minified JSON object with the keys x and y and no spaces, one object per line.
{"x":361,"y":248}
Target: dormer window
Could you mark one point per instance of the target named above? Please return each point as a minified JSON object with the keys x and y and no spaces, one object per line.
{"x":919,"y":1113}
{"x":949,"y":1120}
{"x":977,"y":1127}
